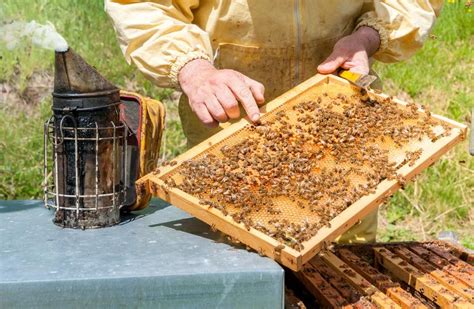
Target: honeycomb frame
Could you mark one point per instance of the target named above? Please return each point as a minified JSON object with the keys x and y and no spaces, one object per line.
{"x":262,"y":243}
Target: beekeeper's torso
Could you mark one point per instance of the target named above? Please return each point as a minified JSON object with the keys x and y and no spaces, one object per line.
{"x":279,"y":43}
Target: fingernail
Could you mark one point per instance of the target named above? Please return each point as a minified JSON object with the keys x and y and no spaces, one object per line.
{"x":255,"y":117}
{"x":323,"y":68}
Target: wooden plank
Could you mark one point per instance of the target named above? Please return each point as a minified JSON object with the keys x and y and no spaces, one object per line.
{"x":443,"y":264}
{"x":364,"y":286}
{"x":381,"y":281}
{"x":383,"y":301}
{"x":328,"y":296}
{"x":423,"y":283}
{"x":455,"y":249}
{"x":452,"y":259}
{"x":403,"y":298}
{"x":364,"y":303}
{"x":349,"y":292}
{"x":451,"y":282}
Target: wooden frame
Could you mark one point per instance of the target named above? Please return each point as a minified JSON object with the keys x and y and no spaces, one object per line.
{"x":359,"y":282}
{"x":424,"y":283}
{"x":423,"y":266}
{"x":261,"y":242}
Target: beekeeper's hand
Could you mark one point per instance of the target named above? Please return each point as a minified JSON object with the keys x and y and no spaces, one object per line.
{"x":352,"y":52}
{"x":214,"y":95}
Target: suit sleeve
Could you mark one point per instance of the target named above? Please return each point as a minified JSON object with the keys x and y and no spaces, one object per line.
{"x":159,"y":37}
{"x":403,"y":25}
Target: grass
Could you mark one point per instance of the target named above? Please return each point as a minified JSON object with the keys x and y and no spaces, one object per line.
{"x":440,"y":75}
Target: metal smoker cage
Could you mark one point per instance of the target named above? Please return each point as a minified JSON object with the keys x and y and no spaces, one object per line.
{"x":98,"y":193}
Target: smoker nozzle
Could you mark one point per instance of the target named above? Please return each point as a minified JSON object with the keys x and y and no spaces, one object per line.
{"x":77,"y":85}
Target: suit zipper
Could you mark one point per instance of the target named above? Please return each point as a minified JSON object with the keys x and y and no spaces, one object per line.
{"x":297,"y":13}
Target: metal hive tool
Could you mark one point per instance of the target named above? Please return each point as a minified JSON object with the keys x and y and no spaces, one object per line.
{"x":450,"y":133}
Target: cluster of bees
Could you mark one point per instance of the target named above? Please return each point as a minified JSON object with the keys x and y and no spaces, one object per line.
{"x":319,"y":158}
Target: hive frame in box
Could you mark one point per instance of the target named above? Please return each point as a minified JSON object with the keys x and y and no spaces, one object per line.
{"x":430,"y":276}
{"x":263,"y":243}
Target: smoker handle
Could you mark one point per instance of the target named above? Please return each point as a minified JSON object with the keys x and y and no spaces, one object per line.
{"x":471,"y":141}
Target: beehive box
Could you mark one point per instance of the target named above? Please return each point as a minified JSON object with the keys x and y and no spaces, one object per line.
{"x":324,"y":156}
{"x":391,"y":275}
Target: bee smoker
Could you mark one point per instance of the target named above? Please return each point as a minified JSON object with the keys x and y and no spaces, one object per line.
{"x":86,"y":182}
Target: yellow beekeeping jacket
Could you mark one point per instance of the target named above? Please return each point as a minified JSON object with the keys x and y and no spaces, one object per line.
{"x":279,"y":43}
{"x":264,"y":36}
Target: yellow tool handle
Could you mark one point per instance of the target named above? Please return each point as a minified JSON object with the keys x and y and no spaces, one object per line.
{"x":358,"y":79}
{"x":350,"y":76}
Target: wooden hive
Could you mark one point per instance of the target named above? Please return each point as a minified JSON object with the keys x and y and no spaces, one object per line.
{"x":165,"y":182}
{"x":391,"y":275}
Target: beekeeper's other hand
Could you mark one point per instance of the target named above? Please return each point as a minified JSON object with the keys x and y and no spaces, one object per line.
{"x":214,"y":95}
{"x":352,"y":52}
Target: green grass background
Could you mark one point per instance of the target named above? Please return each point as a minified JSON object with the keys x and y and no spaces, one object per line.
{"x":440,"y":75}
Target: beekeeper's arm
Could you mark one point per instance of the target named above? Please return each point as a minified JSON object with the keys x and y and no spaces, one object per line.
{"x":159,"y":38}
{"x":401,"y":25}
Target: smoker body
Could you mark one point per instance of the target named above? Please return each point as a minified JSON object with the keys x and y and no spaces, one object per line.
{"x":89,"y":147}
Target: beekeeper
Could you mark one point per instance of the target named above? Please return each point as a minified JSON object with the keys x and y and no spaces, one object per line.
{"x":228,"y":57}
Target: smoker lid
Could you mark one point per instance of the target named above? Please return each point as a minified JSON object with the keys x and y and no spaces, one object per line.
{"x":74,"y":75}
{"x":78,"y":85}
